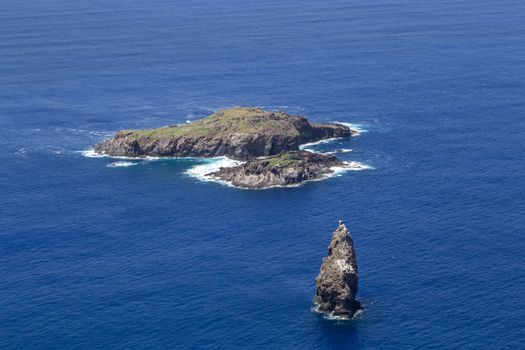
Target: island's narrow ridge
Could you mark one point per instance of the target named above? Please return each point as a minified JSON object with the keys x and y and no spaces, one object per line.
{"x":337,"y":282}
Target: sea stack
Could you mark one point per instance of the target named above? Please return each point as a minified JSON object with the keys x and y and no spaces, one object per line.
{"x":336,"y":285}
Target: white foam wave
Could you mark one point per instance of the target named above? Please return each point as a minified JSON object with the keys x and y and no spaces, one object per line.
{"x":356,"y":166}
{"x":73,"y":130}
{"x":207,"y":109}
{"x":102,"y":133}
{"x":341,"y":150}
{"x":308,"y":146}
{"x":333,"y":317}
{"x":202,"y":171}
{"x":120,"y":164}
{"x":352,"y":165}
{"x":90,"y":153}
{"x":349,"y":166}
{"x":360,"y":128}
{"x":330,"y":316}
{"x":21,"y":152}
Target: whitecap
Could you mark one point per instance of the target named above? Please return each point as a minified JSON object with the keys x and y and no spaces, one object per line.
{"x":202,"y":171}
{"x":102,"y":133}
{"x":21,"y":152}
{"x":359,"y":128}
{"x":309,"y":146}
{"x":330,"y":316}
{"x":349,"y":166}
{"x":353,"y":166}
{"x":72,"y":130}
{"x":90,"y":153}
{"x":120,"y":164}
{"x":333,"y":317}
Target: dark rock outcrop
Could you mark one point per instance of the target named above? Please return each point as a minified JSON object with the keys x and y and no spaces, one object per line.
{"x":336,"y":285}
{"x":239,"y":133}
{"x":285,"y":169}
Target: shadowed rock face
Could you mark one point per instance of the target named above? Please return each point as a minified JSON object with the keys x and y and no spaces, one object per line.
{"x":239,"y":133}
{"x":285,"y":169}
{"x":336,"y":285}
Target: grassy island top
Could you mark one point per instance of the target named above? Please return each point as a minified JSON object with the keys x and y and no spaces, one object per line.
{"x":246,"y":120}
{"x":292,"y":159}
{"x":284,"y":160}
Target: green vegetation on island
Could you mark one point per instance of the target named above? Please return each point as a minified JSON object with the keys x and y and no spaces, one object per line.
{"x":239,"y":133}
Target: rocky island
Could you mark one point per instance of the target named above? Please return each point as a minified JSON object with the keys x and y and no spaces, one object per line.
{"x":245,"y":134}
{"x":336,"y":284}
{"x":284,"y":169}
{"x":238,"y":133}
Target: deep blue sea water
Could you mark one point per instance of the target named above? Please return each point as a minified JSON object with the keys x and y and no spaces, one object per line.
{"x":147,"y":257}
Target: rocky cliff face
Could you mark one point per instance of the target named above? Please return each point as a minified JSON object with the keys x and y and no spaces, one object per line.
{"x":285,"y":169}
{"x":239,"y":133}
{"x":336,"y":285}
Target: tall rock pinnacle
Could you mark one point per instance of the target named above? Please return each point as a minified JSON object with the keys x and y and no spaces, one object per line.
{"x":336,"y":284}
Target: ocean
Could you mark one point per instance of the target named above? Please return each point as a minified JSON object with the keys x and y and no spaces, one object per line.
{"x":147,"y":254}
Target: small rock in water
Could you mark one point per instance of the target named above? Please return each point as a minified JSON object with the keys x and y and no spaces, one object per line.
{"x":336,"y":284}
{"x":285,"y":169}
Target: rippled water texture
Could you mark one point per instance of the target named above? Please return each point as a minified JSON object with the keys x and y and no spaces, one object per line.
{"x":96,"y":253}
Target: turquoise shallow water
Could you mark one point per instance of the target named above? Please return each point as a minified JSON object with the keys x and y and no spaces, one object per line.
{"x":146,"y":256}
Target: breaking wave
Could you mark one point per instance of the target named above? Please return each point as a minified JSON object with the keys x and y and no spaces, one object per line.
{"x":90,"y":153}
{"x":120,"y":164}
{"x":360,"y":128}
{"x":349,"y":166}
{"x":310,"y":146}
{"x":21,"y":152}
{"x":341,"y":150}
{"x":211,"y":165}
{"x":356,"y":166}
{"x":202,"y":171}
{"x":330,"y":316}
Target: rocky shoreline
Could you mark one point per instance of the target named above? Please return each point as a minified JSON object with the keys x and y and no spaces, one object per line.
{"x":268,"y":142}
{"x":337,"y":282}
{"x":237,"y":133}
{"x":286,"y":169}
